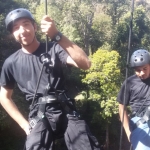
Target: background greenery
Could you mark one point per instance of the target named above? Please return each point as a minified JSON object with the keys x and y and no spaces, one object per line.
{"x":101,"y":28}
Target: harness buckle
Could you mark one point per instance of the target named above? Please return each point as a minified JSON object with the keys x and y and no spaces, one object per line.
{"x":32,"y":123}
{"x":76,"y":114}
{"x":48,"y":99}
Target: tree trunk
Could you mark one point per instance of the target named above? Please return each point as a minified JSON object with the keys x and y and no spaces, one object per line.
{"x":107,"y":136}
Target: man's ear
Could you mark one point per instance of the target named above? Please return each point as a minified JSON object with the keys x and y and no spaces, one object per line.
{"x":11,"y":36}
{"x":35,"y":27}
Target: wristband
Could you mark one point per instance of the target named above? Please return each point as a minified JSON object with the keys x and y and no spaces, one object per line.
{"x":57,"y":37}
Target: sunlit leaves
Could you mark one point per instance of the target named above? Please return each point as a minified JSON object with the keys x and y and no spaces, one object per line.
{"x":103,"y":80}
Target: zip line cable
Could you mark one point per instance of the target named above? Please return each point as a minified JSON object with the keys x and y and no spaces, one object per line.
{"x":127,"y":66}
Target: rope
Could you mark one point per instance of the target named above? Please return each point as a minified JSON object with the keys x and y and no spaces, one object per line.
{"x":46,"y":36}
{"x":43,"y":62}
{"x":127,"y":65}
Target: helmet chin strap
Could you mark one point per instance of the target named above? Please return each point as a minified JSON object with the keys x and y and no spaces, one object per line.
{"x":30,"y":43}
{"x":23,"y":45}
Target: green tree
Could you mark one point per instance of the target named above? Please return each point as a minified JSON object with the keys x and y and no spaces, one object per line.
{"x":103,"y":83}
{"x":103,"y":80}
{"x":140,"y":33}
{"x":74,"y":19}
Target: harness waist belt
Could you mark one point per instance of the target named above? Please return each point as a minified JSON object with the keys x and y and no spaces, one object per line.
{"x":139,"y":122}
{"x":48,"y":99}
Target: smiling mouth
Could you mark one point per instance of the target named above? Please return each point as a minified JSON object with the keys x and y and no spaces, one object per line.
{"x":24,"y":37}
{"x":143,"y":77}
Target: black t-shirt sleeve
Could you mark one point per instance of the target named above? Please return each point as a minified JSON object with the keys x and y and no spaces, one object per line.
{"x":122,"y":95}
{"x":62,"y":54}
{"x":6,"y":78}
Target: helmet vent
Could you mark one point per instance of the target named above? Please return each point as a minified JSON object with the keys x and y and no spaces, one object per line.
{"x":15,"y":15}
{"x":141,"y":59}
{"x":18,"y":10}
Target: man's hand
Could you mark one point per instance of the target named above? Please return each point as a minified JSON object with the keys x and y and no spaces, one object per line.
{"x":48,"y":27}
{"x":77,"y":57}
{"x":11,"y":108}
{"x":26,"y":128}
{"x":128,"y":135}
{"x":125,"y":120}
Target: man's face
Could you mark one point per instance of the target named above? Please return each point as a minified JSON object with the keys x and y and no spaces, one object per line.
{"x":143,"y":72}
{"x":24,"y":31}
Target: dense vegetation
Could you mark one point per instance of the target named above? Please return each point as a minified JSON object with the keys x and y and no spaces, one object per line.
{"x":101,"y":28}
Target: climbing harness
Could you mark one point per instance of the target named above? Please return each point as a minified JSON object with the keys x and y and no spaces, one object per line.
{"x":56,"y":96}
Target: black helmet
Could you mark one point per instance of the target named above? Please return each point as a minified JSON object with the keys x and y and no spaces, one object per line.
{"x":17,"y":14}
{"x":139,"y":58}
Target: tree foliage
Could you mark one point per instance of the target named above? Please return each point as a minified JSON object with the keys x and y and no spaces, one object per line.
{"x":98,"y":26}
{"x":73,"y":20}
{"x":103,"y":80}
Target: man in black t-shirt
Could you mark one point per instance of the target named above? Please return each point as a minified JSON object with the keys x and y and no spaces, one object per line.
{"x":135,"y":92}
{"x":48,"y":116}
